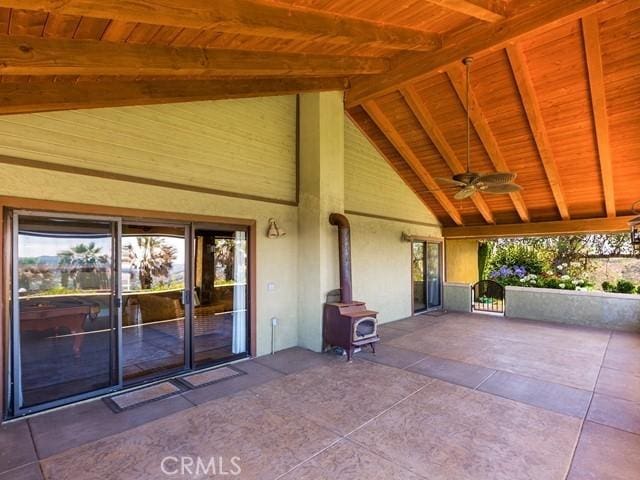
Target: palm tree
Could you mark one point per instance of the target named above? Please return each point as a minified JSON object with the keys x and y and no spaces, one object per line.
{"x":153,"y":257}
{"x":85,"y":264}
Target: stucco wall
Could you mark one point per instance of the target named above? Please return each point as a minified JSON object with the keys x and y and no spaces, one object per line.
{"x":457,"y":297}
{"x":593,"y":309}
{"x":381,"y":264}
{"x":246,"y":147}
{"x":461,"y":261}
{"x":381,"y":261}
{"x":276,"y":259}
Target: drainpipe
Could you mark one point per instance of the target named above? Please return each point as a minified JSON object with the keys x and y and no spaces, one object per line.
{"x":344,"y":239}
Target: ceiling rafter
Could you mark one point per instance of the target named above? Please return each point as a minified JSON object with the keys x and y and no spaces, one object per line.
{"x":47,"y":56}
{"x":405,"y":151}
{"x":30,"y":98}
{"x":591,"y":35}
{"x":486,"y":10}
{"x":426,"y":120}
{"x":537,"y":126}
{"x":408,"y":67}
{"x":456,"y":76}
{"x":247,"y":17}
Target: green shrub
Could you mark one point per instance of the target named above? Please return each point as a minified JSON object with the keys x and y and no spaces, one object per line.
{"x":607,"y":286}
{"x":625,"y":286}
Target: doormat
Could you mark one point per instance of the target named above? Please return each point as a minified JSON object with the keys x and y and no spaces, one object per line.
{"x":436,"y":313}
{"x":209,"y":377}
{"x":142,"y":396}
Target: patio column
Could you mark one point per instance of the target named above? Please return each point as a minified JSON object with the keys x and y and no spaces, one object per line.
{"x":321,"y":174}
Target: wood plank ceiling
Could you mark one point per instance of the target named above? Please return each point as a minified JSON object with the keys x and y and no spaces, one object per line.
{"x":555,"y":87}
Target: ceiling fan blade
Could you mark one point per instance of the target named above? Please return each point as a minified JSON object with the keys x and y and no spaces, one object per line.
{"x":465,"y":193}
{"x":450,"y":181}
{"x":497,"y":178}
{"x":500,"y":189}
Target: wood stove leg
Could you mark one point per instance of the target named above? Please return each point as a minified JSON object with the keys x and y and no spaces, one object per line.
{"x":349,"y":354}
{"x":373,"y":348}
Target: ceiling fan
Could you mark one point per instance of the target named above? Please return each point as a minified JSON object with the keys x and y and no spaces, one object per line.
{"x":469,"y":183}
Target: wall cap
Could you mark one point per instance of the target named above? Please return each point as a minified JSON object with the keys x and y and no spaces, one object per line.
{"x":457,"y":284}
{"x":555,"y":291}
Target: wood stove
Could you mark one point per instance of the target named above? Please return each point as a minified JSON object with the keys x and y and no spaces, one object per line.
{"x":347,"y":323}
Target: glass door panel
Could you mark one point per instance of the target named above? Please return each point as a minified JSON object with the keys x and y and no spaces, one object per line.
{"x":64,"y":317}
{"x":418,"y":276}
{"x":154,"y":269}
{"x":434,"y":275}
{"x":220,"y":328}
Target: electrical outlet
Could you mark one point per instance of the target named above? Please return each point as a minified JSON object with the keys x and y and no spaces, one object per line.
{"x":271,"y":287}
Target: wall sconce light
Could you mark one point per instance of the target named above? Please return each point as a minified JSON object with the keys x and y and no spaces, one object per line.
{"x":274,"y":231}
{"x":406,"y":237}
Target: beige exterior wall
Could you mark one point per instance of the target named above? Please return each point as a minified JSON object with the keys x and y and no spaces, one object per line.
{"x":243,"y":146}
{"x":276,"y":259}
{"x":381,"y":261}
{"x":461,"y":261}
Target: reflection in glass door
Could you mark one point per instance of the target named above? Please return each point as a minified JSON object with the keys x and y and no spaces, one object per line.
{"x":417,"y":272}
{"x":426,"y":271}
{"x":64,"y":315}
{"x":220,"y":329}
{"x":154,"y":270}
{"x":434,"y":275}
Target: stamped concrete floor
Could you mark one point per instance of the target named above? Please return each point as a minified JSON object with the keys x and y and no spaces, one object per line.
{"x":450,"y":397}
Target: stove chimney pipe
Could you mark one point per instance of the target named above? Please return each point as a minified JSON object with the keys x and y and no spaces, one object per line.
{"x":344,"y":239}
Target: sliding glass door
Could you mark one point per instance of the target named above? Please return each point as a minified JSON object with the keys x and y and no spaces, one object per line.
{"x":154,"y":278}
{"x":220,"y":320}
{"x":426,"y":274}
{"x":64,"y":315}
{"x":101,"y":303}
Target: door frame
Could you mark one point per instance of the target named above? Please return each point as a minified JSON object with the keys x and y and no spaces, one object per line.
{"x":52,"y":208}
{"x":14,"y":367}
{"x":427,"y":240}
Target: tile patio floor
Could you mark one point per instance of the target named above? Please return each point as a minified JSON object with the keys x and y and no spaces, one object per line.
{"x":450,"y":397}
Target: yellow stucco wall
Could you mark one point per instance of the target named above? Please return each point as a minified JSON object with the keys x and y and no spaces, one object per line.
{"x":243,"y":146}
{"x":381,"y":261}
{"x":461,"y":261}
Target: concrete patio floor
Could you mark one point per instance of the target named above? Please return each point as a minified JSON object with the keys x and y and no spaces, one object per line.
{"x":451,"y":397}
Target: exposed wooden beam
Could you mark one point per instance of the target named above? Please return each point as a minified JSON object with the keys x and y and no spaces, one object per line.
{"x":47,"y":56}
{"x":487,"y":10}
{"x":421,"y":112}
{"x":248,"y":17}
{"x":34,"y":97}
{"x":536,"y":122}
{"x":591,"y":34}
{"x":534,"y":229}
{"x":387,"y":128}
{"x":409,"y":67}
{"x":483,"y":129}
